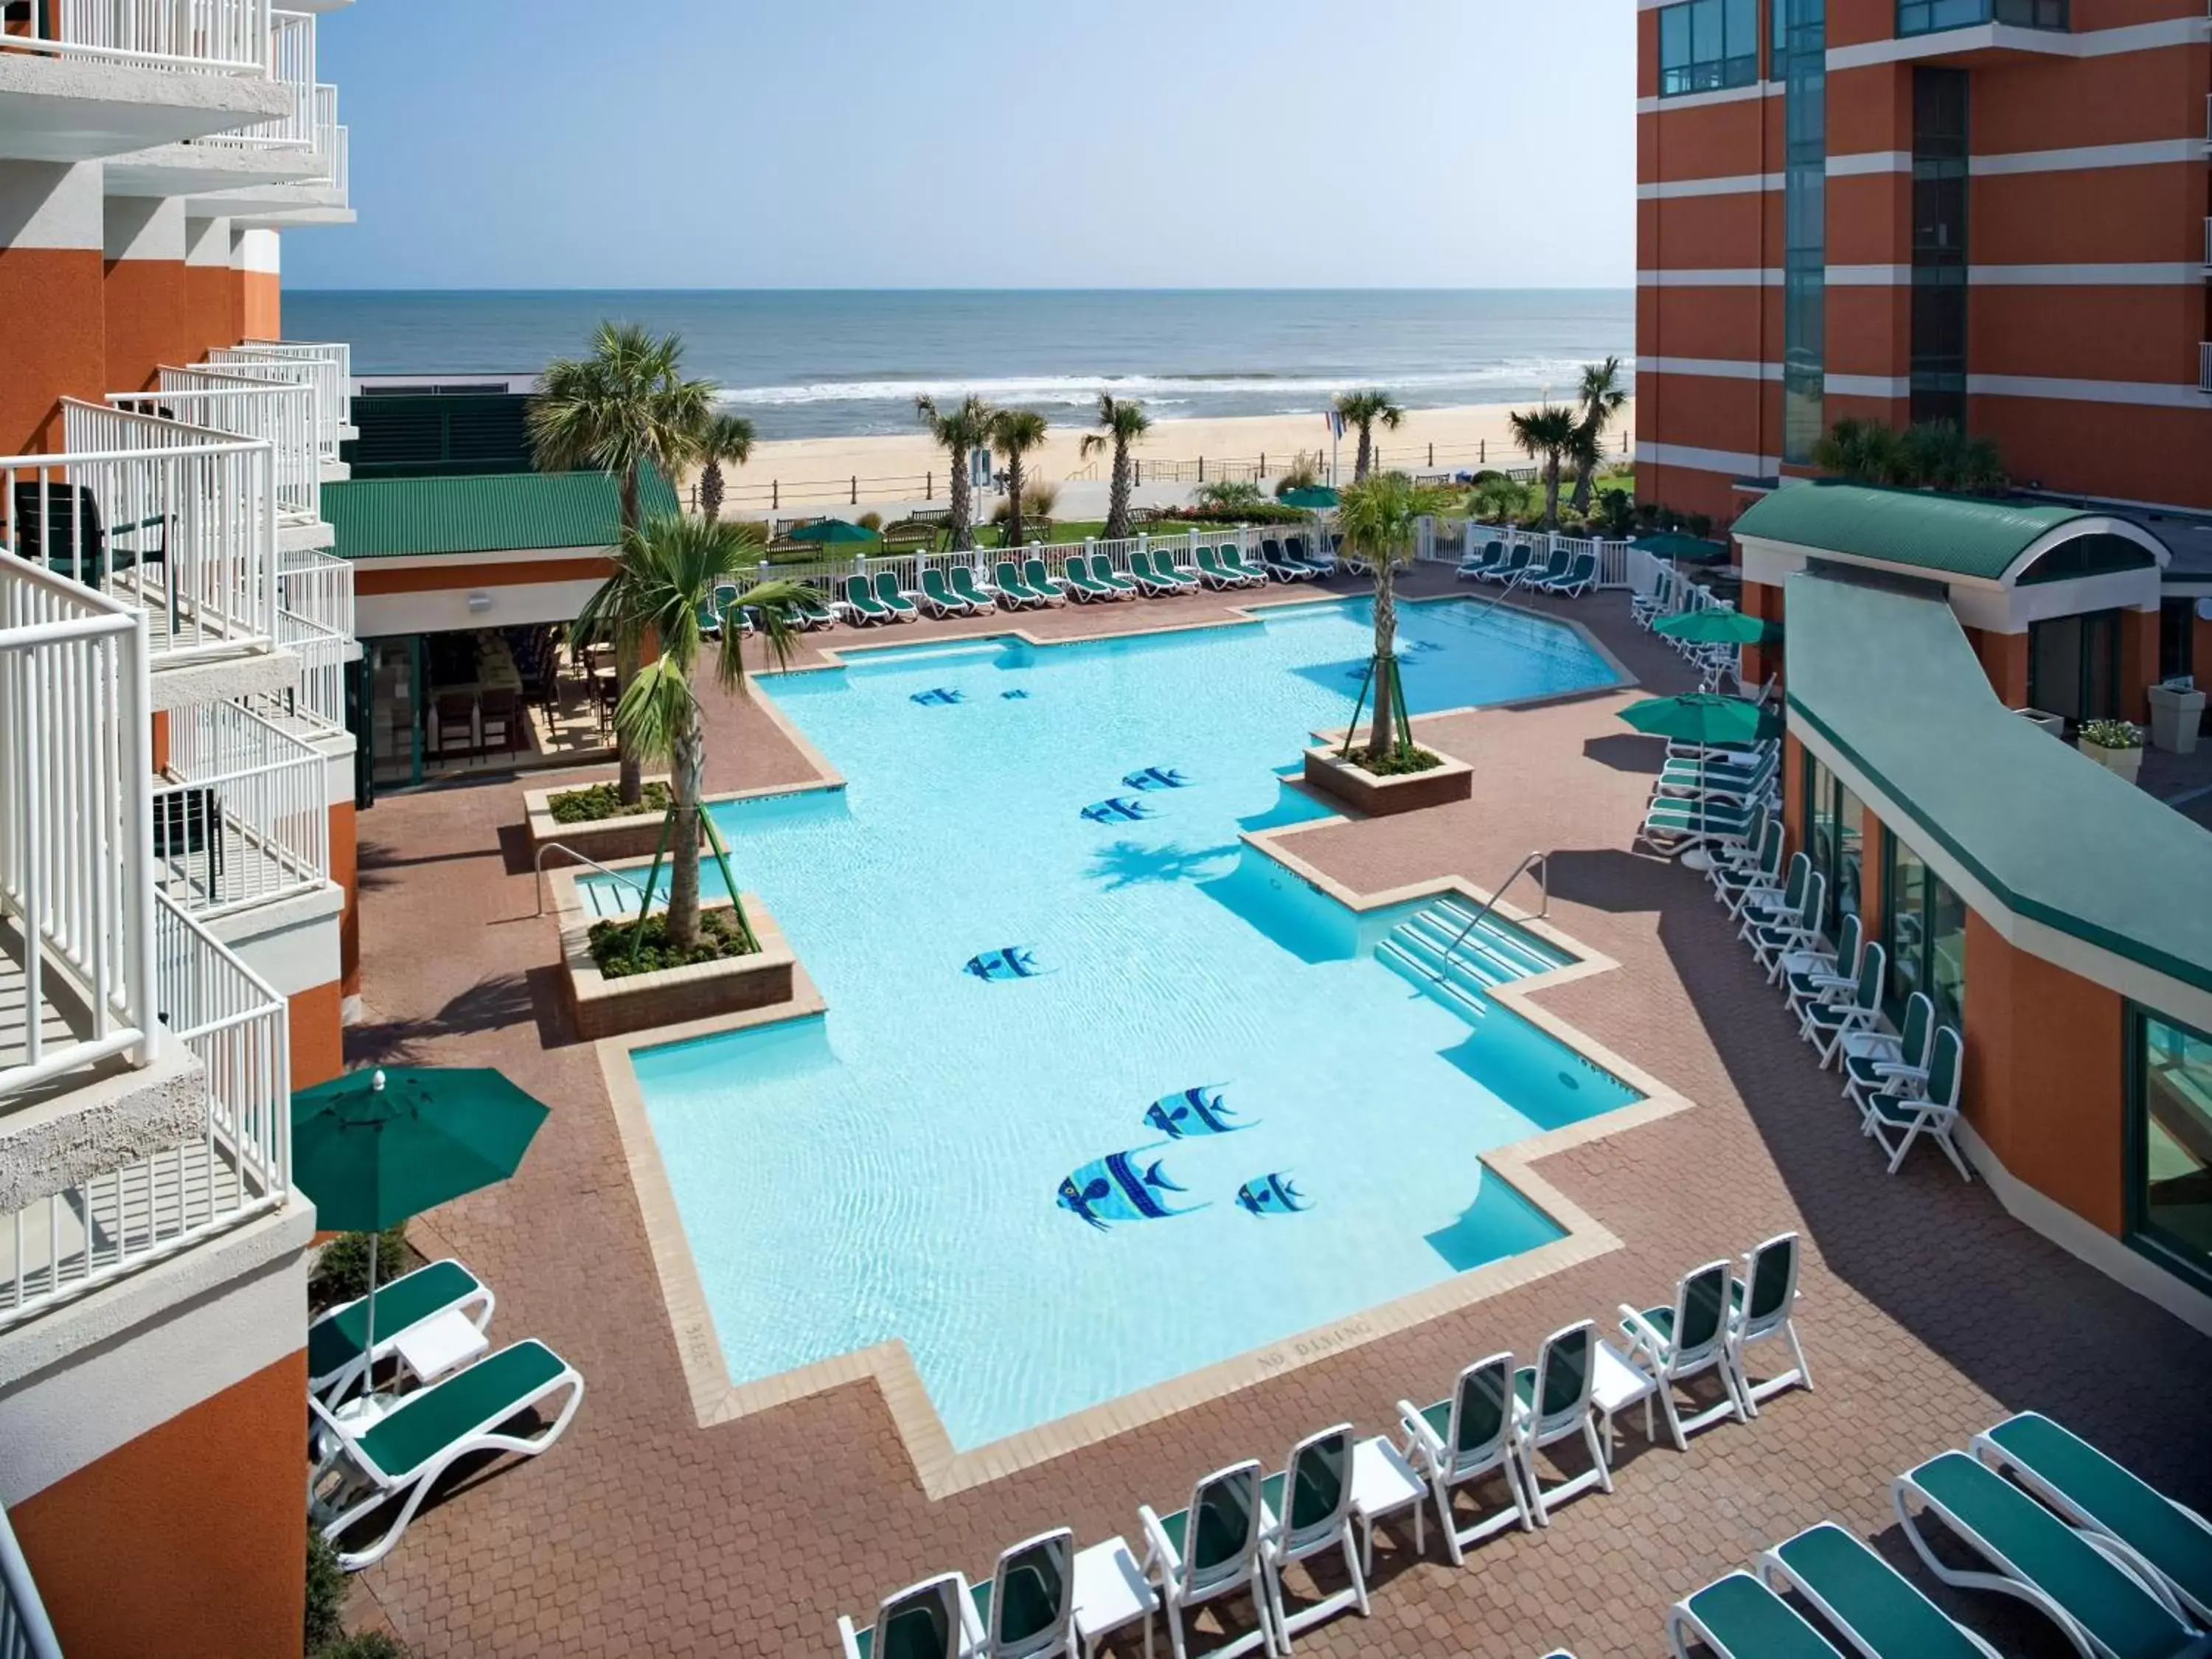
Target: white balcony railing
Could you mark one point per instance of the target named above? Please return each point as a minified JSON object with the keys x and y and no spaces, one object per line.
{"x":330,"y":141}
{"x":208,"y":37}
{"x":177,"y":522}
{"x":318,"y":586}
{"x":328,"y":369}
{"x":237,"y":1165}
{"x":321,"y":696}
{"x":292,"y":63}
{"x":243,"y":817}
{"x":75,"y":821}
{"x":25,"y":1631}
{"x":284,"y":415}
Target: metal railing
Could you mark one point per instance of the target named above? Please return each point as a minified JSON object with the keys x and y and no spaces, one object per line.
{"x":207,"y":37}
{"x":1542,"y":861}
{"x":74,"y":811}
{"x":291,"y":62}
{"x":645,"y":899}
{"x":905,"y":569}
{"x":2204,"y":365}
{"x":331,"y":143}
{"x":177,"y":522}
{"x":1453,"y":540}
{"x":236,"y":1165}
{"x":328,"y":369}
{"x":320,"y":696}
{"x":318,"y":586}
{"x":25,"y":1631}
{"x":244,"y":818}
{"x":281,"y":416}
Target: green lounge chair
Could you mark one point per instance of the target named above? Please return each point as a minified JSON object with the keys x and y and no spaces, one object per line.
{"x":1272,"y":560}
{"x":1739,"y":1618}
{"x":1877,"y":1609}
{"x":2097,"y":1495}
{"x":1076,"y":580}
{"x":710,"y":619}
{"x":860,"y":604}
{"x":1149,"y":582}
{"x":1576,"y":579}
{"x":937,"y":598}
{"x":401,"y":1455}
{"x":1165,"y":568}
{"x":1232,"y":561}
{"x":1674,"y":823}
{"x":1477,"y":566}
{"x":1214,"y":573}
{"x":887,"y":592}
{"x":1013,"y":593}
{"x":1464,"y":1439}
{"x":1040,"y":581}
{"x":814,"y":613}
{"x":2102,"y":1607}
{"x":933,"y":1620}
{"x":1307,"y":1513}
{"x":1102,"y":572}
{"x":1210,"y":1549}
{"x":1515,"y":561}
{"x":1025,"y":1606}
{"x":1294,"y":549}
{"x":335,"y":1360}
{"x":1552,"y":1404}
{"x":962,"y":581}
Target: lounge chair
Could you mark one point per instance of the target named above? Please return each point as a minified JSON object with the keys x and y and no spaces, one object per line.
{"x":933,"y":1620}
{"x":814,"y":613}
{"x":1294,"y":552}
{"x":1670,"y":1345}
{"x":1208,"y":1550}
{"x":1474,"y":565}
{"x":961,"y":579}
{"x":1212,"y":573}
{"x":1277,"y":565}
{"x":1826,"y":1024}
{"x":1165,"y":568}
{"x":709,"y":619}
{"x":1770,"y":941}
{"x":1013,"y":593}
{"x":1150,"y":584}
{"x":2104,"y":1607}
{"x":1822,"y":975}
{"x":1078,"y":586}
{"x":1509,"y":569}
{"x":937,"y":598}
{"x":1717,"y":780}
{"x":901,"y":605}
{"x":1874,"y":1059}
{"x":1550,"y":1404}
{"x":1577,"y":580}
{"x":1739,"y":1618}
{"x":860,"y":604}
{"x":1040,"y":581}
{"x":1027,"y":1605}
{"x":1897,"y":1118}
{"x":1232,"y":561}
{"x":1763,"y":1308}
{"x":2096,"y":1495}
{"x":400,"y":1455}
{"x":1875,"y":1607}
{"x":335,"y":1360}
{"x":1555,"y":565}
{"x":1674,"y":823}
{"x":1460,"y":1440}
{"x":1308,"y":1513}
{"x":1102,"y":573}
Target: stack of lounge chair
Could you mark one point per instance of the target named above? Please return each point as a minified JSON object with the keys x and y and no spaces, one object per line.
{"x":1720,"y":798}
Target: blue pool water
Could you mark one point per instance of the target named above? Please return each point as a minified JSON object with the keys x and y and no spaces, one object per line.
{"x":894,"y":1168}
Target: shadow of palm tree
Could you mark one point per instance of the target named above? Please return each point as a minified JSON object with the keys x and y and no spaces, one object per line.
{"x":489,"y":1005}
{"x":1126,"y":864}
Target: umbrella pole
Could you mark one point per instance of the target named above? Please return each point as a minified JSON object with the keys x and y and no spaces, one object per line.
{"x":369,"y":1347}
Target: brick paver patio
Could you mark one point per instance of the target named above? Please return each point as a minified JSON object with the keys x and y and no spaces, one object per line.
{"x":1927,"y":1312}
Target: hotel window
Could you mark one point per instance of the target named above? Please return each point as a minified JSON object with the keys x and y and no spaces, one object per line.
{"x":1835,"y":840}
{"x":1803,"y":57}
{"x":1705,"y":45}
{"x":1939,"y":246}
{"x":2169,"y":1141}
{"x":1926,"y":16}
{"x":2074,"y":665}
{"x":1924,"y":931}
{"x":2177,"y":638}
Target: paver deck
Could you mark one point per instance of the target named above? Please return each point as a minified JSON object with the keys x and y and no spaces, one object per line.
{"x":1927,"y":1312}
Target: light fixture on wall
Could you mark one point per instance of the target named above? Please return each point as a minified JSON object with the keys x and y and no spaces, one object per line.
{"x":479,"y":604}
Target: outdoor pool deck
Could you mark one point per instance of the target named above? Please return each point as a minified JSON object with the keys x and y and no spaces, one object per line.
{"x":1927,"y":1313}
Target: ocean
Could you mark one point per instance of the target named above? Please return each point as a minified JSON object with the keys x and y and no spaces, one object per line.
{"x":824,"y":362}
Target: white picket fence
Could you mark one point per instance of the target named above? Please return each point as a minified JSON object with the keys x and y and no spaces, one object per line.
{"x":1449,"y":541}
{"x":907,"y":568}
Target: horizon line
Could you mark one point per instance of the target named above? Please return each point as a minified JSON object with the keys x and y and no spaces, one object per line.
{"x":1570,"y":288}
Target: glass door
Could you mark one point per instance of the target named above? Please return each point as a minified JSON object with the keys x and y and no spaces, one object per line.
{"x":395,"y":720}
{"x":2169,"y":1139}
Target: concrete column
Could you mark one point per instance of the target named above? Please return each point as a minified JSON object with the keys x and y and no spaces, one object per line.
{"x":254,"y":258}
{"x":211,"y":296}
{"x":52,"y":328}
{"x":144,"y":290}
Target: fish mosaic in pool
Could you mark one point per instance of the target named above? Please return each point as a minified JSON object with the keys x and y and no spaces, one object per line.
{"x":1095,"y":1103}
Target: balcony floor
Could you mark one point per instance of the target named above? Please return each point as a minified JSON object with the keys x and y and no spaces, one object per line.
{"x":238,"y":868}
{"x":58,"y":1023}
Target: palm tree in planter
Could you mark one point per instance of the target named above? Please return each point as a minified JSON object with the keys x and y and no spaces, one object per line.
{"x":1602,"y":397}
{"x":724,"y":438}
{"x":959,"y":431}
{"x":1547,"y":435}
{"x":1121,"y":424}
{"x":1380,"y":517}
{"x":667,"y":572}
{"x":1014,"y":433}
{"x":622,"y":411}
{"x":1362,"y":411}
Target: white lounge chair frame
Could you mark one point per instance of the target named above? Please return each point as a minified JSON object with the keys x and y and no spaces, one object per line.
{"x":1446,"y":1469}
{"x":1934,"y":1115}
{"x":1669,"y":1361}
{"x":1534,"y":1430}
{"x":1181,"y":1586}
{"x":1281,"y":1547}
{"x":1748,"y":1326}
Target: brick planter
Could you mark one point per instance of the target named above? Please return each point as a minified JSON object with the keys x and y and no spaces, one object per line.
{"x":604,"y":1007}
{"x":602,"y":838}
{"x":1361,"y":790}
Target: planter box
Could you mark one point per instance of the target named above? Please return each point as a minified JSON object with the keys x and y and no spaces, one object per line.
{"x":604,"y":840}
{"x":2125,"y":761}
{"x":604,"y":1007}
{"x":2175,"y":715}
{"x":1360,"y":789}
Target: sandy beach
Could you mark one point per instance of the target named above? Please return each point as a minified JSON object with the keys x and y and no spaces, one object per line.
{"x":822,"y":472}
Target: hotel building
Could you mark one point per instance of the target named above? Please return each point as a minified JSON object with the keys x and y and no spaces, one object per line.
{"x":176,"y":812}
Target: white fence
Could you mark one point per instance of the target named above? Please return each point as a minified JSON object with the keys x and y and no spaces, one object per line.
{"x":317,"y":586}
{"x":1181,"y":546}
{"x":328,"y":369}
{"x":247,"y":819}
{"x":291,"y":62}
{"x":25,"y":1632}
{"x":237,"y":1165}
{"x":281,"y":416}
{"x":332,"y":141}
{"x":321,"y":696}
{"x":1450,"y":541}
{"x":75,"y":812}
{"x":211,"y":37}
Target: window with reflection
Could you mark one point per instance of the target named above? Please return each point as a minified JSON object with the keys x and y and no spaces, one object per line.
{"x":2170,"y":1140}
{"x":1835,"y":840}
{"x":1706,"y":44}
{"x":1924,"y":930}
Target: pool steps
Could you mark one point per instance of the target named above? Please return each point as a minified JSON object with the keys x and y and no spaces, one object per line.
{"x":1428,"y":949}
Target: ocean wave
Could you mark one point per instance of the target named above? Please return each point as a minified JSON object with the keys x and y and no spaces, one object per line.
{"x":1072,"y":390}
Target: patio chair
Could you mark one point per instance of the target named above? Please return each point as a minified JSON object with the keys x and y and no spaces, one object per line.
{"x":1459,"y":1441}
{"x":1736,"y":1617}
{"x":1770,"y":941}
{"x":401,"y":1455}
{"x":1210,"y":1550}
{"x":2102,"y":1600}
{"x":1102,"y":573}
{"x":1576,"y":579}
{"x":933,"y":1619}
{"x":1232,"y":561}
{"x":1476,"y":566}
{"x":1933,"y":1111}
{"x":499,"y":713}
{"x":59,"y":526}
{"x":1013,"y":593}
{"x":1763,"y":1308}
{"x":335,"y":1359}
{"x":1760,"y":905}
{"x":1556,"y":562}
{"x":709,"y":619}
{"x":1151,"y":584}
{"x":1294,"y":550}
{"x":457,"y":714}
{"x":937,"y":598}
{"x":1673,"y":1345}
{"x":1756,"y":863}
{"x":901,"y":605}
{"x":1026,"y":1606}
{"x":961,"y":579}
{"x":1040,"y":581}
{"x":1877,"y":1060}
{"x":860,"y":605}
{"x":1078,"y":584}
{"x":1822,"y":973}
{"x":2104,"y":1498}
{"x":1875,"y":1607}
{"x":1308,"y":1513}
{"x":1826,"y":1024}
{"x":1510,"y":570}
{"x":1552,"y":1404}
{"x":1165,"y":568}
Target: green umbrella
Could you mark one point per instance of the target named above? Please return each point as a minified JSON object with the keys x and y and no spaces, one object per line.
{"x":1684,"y":550}
{"x":1704,"y":717}
{"x":826,"y":531}
{"x":1718,"y":626}
{"x":1310,"y":498}
{"x":373,"y":1148}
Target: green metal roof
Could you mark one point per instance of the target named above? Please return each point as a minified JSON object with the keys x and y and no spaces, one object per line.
{"x":1949,"y":535}
{"x":501,"y":513}
{"x":1889,"y":680}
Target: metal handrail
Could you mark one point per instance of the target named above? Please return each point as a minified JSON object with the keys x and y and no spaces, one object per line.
{"x":1506,"y":593}
{"x":1544,"y":880}
{"x":644,"y":898}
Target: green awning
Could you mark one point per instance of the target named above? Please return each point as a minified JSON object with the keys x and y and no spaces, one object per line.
{"x":1944,"y":534}
{"x":1890,"y":680}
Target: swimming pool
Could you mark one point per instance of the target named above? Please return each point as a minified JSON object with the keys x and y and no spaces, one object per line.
{"x":985,"y":1146}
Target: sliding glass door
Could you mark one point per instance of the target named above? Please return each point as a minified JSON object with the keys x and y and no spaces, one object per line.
{"x":1924,"y":930}
{"x":2169,"y":1141}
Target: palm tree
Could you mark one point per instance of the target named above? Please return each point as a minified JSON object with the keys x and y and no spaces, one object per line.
{"x":1380,"y":516}
{"x":667,"y":571}
{"x":960,"y":430}
{"x":1864,"y":452}
{"x":1931,"y":455}
{"x":1546,"y":435}
{"x":724,"y":438}
{"x":1121,"y":424}
{"x":623,"y":409}
{"x":1362,"y":409}
{"x":1014,"y":433}
{"x":1600,"y":398}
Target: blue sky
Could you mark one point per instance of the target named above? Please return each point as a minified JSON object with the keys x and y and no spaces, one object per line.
{"x":893,"y":143}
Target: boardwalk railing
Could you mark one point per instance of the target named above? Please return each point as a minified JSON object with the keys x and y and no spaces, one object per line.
{"x":207,"y":37}
{"x":25,"y":1631}
{"x":245,"y":817}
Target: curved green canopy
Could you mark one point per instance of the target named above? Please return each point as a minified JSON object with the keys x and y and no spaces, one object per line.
{"x":374,"y":1147}
{"x":828,"y":531}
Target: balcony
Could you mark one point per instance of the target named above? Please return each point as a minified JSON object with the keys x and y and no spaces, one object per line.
{"x":284,"y":151}
{"x":25,"y":1631}
{"x":241,"y":815}
{"x":327,"y":367}
{"x":281,"y":416}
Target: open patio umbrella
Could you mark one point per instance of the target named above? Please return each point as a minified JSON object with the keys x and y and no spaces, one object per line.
{"x":827,"y":532}
{"x":1706,"y":718}
{"x":1310,"y":498}
{"x":1718,"y":626}
{"x":1682,"y":549}
{"x":373,"y":1148}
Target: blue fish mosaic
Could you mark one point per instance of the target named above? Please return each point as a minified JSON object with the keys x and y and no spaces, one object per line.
{"x":1192,"y":1113}
{"x":1010,"y":962}
{"x":1155,"y":777}
{"x":1115,"y":810}
{"x":1114,"y":1188}
{"x":937,"y":694}
{"x":1272,"y":1195}
{"x":1015,"y":697}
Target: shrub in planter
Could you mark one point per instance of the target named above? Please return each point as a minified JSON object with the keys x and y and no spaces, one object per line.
{"x":342,"y":1270}
{"x":1401,"y":762}
{"x":603,"y":800}
{"x":617,"y":953}
{"x":2112,"y":734}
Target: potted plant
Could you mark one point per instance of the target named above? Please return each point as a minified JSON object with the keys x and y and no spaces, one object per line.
{"x":2116,"y":744}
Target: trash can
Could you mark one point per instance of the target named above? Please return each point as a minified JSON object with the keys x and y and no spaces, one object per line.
{"x":2175,"y":714}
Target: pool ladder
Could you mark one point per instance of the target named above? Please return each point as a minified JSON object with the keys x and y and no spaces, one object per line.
{"x":644,"y":898}
{"x":1542,"y":861}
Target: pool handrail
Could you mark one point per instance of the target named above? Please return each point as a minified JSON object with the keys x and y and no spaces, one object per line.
{"x":1542,"y":860}
{"x":644,"y":898}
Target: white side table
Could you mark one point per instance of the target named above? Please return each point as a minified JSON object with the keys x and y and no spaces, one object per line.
{"x":1382,"y":1484}
{"x":1615,"y":1385}
{"x":1110,"y":1595}
{"x":442,"y":1343}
